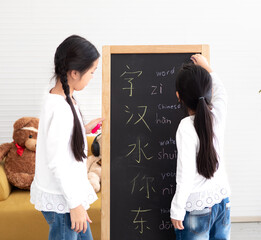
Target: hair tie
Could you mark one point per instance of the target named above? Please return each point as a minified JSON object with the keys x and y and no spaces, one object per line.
{"x":201,"y":98}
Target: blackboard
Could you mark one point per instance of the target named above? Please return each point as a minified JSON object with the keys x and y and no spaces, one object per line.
{"x":144,"y":116}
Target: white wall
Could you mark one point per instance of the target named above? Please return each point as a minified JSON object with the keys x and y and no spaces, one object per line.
{"x":30,"y":31}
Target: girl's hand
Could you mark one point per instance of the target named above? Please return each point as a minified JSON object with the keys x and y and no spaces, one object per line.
{"x":177,"y":224}
{"x":200,"y":60}
{"x":79,"y":218}
{"x":92,"y":124}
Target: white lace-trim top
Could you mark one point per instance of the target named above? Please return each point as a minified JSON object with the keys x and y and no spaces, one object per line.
{"x":193,"y":191}
{"x":49,"y":202}
{"x":201,"y":200}
{"x":60,"y":183}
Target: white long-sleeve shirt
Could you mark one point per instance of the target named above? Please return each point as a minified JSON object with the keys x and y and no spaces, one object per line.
{"x":60,"y":182}
{"x":193,"y":191}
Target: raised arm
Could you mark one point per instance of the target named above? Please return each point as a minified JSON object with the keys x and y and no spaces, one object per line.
{"x":219,"y":96}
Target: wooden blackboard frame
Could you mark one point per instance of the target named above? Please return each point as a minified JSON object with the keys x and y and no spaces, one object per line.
{"x":107,"y":51}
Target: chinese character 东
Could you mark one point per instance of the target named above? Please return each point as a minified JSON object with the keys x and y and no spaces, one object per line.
{"x":141,"y":223}
{"x":130,"y":76}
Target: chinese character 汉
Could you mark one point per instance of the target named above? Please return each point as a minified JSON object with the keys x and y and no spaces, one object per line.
{"x":141,"y":117}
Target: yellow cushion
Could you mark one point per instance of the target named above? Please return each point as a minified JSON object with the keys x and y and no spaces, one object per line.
{"x":19,"y":219}
{"x":5,"y":187}
{"x":90,"y":141}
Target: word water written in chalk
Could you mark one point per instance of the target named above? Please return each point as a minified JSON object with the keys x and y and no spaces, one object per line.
{"x":167,"y":142}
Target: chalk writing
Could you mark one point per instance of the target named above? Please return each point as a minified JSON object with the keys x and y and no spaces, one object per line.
{"x":157,"y":89}
{"x":167,"y":142}
{"x":165,"y":73}
{"x":170,"y":190}
{"x":168,"y":175}
{"x":140,"y":151}
{"x":165,"y":225}
{"x":162,"y":106}
{"x":146,"y":183}
{"x":141,"y":117}
{"x":140,"y":223}
{"x":162,"y":120}
{"x":164,"y":155}
{"x":130,"y":76}
{"x":164,"y":211}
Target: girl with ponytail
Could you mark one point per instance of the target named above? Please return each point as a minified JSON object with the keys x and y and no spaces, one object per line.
{"x":60,"y":189}
{"x":200,"y":208}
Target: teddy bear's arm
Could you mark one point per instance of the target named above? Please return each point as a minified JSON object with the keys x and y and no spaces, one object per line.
{"x":4,"y":149}
{"x":92,"y":160}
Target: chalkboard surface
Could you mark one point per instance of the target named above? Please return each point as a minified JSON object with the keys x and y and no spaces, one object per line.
{"x":145,"y":114}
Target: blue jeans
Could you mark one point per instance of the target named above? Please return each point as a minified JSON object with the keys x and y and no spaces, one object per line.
{"x":207,"y":224}
{"x":60,"y":227}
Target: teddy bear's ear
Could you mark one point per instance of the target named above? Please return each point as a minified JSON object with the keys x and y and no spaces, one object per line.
{"x":95,"y":148}
{"x":21,"y":122}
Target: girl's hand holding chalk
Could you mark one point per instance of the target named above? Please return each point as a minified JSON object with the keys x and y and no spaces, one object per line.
{"x":200,"y":60}
{"x":94,"y":125}
{"x":94,"y":130}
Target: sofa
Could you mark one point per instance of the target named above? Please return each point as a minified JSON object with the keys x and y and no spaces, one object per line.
{"x":19,"y":220}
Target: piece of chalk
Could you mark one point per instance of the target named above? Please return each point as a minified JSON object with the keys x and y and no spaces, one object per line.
{"x":94,"y":130}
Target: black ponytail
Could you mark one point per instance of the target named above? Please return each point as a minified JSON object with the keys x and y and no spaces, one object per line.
{"x":194,"y":85}
{"x":74,"y":53}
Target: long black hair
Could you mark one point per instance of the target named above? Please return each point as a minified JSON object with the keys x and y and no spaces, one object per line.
{"x":74,"y":53}
{"x":194,"y":85}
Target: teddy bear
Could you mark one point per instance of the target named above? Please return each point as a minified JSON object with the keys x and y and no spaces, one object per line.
{"x":20,"y":154}
{"x":94,"y":164}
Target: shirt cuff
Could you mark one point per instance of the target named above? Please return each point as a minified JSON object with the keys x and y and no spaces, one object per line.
{"x":177,"y":214}
{"x":74,"y":204}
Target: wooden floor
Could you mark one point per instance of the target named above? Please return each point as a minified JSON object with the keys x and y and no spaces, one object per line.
{"x":246,"y":231}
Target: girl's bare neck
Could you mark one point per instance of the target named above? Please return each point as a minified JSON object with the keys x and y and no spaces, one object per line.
{"x":191,"y":112}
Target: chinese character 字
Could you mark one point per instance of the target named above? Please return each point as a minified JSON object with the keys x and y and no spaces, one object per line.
{"x":130,"y":76}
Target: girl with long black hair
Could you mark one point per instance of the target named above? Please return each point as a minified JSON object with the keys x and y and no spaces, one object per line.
{"x":200,"y":209}
{"x":61,"y":190}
